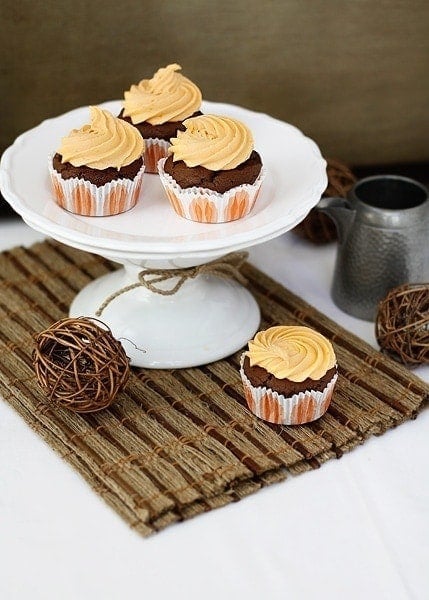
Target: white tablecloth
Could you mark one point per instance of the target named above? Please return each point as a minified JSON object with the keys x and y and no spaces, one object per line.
{"x":358,"y":528}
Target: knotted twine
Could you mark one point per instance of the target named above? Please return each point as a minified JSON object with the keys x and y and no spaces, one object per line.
{"x":226,"y":267}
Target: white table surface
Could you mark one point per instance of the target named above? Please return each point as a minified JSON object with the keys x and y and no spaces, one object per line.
{"x":357,"y":528}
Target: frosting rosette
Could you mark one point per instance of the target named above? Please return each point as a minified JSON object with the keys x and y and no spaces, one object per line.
{"x":168,"y":96}
{"x":106,"y":142}
{"x":292,"y":352}
{"x":216,"y":143}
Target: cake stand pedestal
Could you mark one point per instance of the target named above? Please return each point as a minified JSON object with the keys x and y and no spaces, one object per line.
{"x":208,"y":318}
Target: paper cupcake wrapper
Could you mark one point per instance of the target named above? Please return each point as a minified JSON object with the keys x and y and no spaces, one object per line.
{"x":85,"y":198}
{"x":298,"y":409}
{"x":155,"y":149}
{"x":206,"y":206}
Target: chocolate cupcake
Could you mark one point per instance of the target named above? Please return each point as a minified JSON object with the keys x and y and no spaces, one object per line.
{"x":98,"y":168}
{"x":157,"y":108}
{"x":213,"y":174}
{"x":289,"y":373}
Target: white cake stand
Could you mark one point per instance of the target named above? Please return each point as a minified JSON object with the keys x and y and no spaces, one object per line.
{"x":208,"y":318}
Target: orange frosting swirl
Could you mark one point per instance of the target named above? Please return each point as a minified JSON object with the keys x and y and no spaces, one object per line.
{"x":168,"y":96}
{"x":216,"y":143}
{"x":106,"y":142}
{"x":292,"y":352}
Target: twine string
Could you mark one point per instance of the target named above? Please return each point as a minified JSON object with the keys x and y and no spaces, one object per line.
{"x":226,"y":267}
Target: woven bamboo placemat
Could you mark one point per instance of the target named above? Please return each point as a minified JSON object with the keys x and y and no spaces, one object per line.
{"x":179,"y":443}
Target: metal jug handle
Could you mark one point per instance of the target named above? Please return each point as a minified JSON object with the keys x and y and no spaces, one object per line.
{"x":341,"y":212}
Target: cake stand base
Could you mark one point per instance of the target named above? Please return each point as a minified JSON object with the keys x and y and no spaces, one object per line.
{"x":207,"y":319}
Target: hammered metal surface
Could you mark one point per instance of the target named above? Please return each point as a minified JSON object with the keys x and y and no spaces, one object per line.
{"x":370,"y":262}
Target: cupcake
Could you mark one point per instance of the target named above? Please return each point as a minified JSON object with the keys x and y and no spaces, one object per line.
{"x":98,"y":169}
{"x":289,"y":374}
{"x":212,"y":173}
{"x":157,"y":107}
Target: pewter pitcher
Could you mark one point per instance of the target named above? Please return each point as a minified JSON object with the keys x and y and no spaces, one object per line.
{"x":383,"y":240}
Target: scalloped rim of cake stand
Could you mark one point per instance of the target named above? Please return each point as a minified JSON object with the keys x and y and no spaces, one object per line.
{"x":287,"y":195}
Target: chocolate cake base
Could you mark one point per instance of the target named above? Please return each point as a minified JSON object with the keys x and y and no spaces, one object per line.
{"x":218,"y":181}
{"x":163,"y":131}
{"x":260,"y":377}
{"x":97,"y":176}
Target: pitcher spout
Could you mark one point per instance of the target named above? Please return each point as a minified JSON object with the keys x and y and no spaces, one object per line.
{"x":341,"y":212}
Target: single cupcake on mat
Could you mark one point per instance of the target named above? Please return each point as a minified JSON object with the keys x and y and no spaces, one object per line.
{"x":289,"y":373}
{"x":213,"y":174}
{"x":157,"y":107}
{"x":98,"y":169}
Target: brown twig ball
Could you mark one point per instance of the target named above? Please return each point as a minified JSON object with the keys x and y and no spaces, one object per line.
{"x":318,"y":227}
{"x":402,"y":324}
{"x":80,"y":365}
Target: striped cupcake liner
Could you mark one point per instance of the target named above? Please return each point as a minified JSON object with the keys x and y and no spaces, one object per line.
{"x":155,"y":149}
{"x":300,"y":408}
{"x":206,"y":206}
{"x":82,"y":197}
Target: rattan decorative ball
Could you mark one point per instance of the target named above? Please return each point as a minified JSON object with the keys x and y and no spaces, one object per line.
{"x":80,"y":365}
{"x":402,"y":324}
{"x":318,"y":227}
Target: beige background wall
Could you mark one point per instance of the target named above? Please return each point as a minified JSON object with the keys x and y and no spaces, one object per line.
{"x":353,"y":74}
